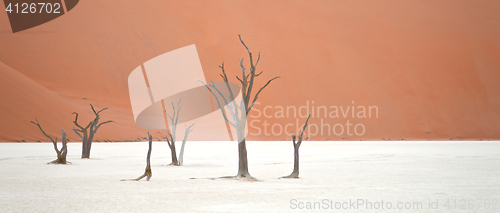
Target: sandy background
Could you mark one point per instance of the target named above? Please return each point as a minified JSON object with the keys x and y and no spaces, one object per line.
{"x":431,"y":67}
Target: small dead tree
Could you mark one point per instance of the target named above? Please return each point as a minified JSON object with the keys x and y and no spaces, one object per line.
{"x":186,"y":134}
{"x":171,"y":145}
{"x":61,"y":154}
{"x":88,"y":132}
{"x":296,"y":145}
{"x":239,"y":120}
{"x":147,"y":173}
{"x":171,"y":141}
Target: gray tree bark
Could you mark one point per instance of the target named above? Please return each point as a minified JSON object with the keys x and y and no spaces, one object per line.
{"x":88,"y":132}
{"x":61,"y":154}
{"x":296,"y":146}
{"x":173,"y":153}
{"x":171,"y":141}
{"x":147,"y":173}
{"x":186,"y":134}
{"x":239,"y":120}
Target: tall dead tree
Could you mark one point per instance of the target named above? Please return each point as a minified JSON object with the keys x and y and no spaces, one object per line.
{"x":61,"y":154}
{"x":147,"y":173}
{"x":171,"y":141}
{"x":239,"y":112}
{"x":296,"y":145}
{"x":88,"y":132}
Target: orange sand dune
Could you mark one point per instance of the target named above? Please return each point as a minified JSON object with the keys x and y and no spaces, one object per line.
{"x":28,"y":100}
{"x":430,"y":67}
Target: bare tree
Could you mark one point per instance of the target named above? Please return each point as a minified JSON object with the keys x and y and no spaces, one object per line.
{"x":147,"y":172}
{"x":171,"y":145}
{"x":296,"y":145}
{"x":240,"y":111}
{"x":171,"y":141}
{"x":186,"y":133}
{"x":89,"y":131}
{"x":61,"y":154}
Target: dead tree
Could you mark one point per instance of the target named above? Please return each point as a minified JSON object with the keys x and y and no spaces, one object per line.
{"x":61,"y":154}
{"x":173,"y":153}
{"x":171,"y":141}
{"x":239,"y":112}
{"x":147,"y":173}
{"x":88,"y":132}
{"x":186,"y":133}
{"x":296,"y":145}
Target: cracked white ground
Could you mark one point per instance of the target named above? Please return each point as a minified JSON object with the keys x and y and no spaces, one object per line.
{"x":330,"y":172}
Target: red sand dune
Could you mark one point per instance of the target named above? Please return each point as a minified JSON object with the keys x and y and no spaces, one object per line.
{"x":431,"y":67}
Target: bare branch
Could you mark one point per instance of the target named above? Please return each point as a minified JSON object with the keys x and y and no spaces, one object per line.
{"x":64,"y":149}
{"x":168,"y":141}
{"x":249,"y":53}
{"x":249,"y":86}
{"x":92,"y":107}
{"x":40,"y":127}
{"x":102,"y":110}
{"x":76,"y":120}
{"x":257,"y":62}
{"x":231,"y":107}
{"x":97,"y":127}
{"x":231,"y":96}
{"x":257,"y":95}
{"x":303,"y":130}
{"x":241,"y":81}
{"x":76,"y":131}
{"x":243,"y":70}
{"x":218,"y":103}
{"x":179,"y":107}
{"x":223,"y":75}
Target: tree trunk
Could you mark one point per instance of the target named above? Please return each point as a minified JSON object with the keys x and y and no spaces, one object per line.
{"x":181,"y":154}
{"x":61,"y":154}
{"x":86,"y":149}
{"x":295,"y":173}
{"x":147,"y":173}
{"x":296,"y":146}
{"x":89,"y":146}
{"x":243,"y":161}
{"x":87,"y":135}
{"x":186,"y":134}
{"x":85,"y":145}
{"x":174,"y":154}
